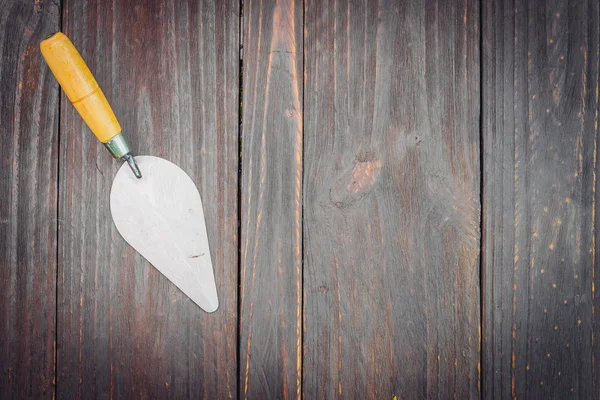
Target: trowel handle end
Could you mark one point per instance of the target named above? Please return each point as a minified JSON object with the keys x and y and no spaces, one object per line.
{"x":79,"y":85}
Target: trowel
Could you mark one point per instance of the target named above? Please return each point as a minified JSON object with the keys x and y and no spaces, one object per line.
{"x":155,"y":205}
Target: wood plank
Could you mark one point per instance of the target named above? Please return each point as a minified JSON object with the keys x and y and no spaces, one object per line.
{"x":271,"y":209}
{"x":170,"y":71}
{"x":391,"y":203}
{"x":28,"y":183}
{"x":540,"y":133}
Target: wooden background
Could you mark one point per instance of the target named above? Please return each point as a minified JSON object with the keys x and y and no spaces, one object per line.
{"x":400,"y":199}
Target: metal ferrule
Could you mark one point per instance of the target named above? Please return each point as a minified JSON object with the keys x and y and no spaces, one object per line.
{"x":118,"y":146}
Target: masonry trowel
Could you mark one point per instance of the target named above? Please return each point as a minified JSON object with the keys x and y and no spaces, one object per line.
{"x":155,"y":205}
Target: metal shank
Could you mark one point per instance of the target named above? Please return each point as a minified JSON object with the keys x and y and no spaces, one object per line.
{"x":119,"y":148}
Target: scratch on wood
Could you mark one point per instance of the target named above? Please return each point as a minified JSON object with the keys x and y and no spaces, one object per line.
{"x":247,"y":371}
{"x":298,"y":199}
{"x":339,"y":312}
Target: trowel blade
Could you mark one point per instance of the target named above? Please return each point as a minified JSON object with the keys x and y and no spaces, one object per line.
{"x":161,"y":216}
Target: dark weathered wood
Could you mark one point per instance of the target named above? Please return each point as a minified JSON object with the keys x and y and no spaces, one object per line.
{"x":28,"y":188}
{"x":391,"y":200}
{"x":170,"y":71}
{"x":271,"y":208}
{"x":540,"y":107}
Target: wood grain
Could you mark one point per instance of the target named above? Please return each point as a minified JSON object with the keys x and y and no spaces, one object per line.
{"x":169,"y":70}
{"x":360,"y":234}
{"x":540,"y":133}
{"x":28,"y":187}
{"x":271,"y":196}
{"x":391,"y":200}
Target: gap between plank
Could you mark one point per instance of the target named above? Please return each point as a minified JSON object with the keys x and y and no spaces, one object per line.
{"x":239,"y":194}
{"x":482,"y":326}
{"x":303,"y":320}
{"x":56,"y":278}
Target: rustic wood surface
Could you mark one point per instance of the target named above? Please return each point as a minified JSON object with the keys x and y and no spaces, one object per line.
{"x":540,"y":132}
{"x":271,"y":201}
{"x":391,"y":200}
{"x":28,"y":187}
{"x":344,"y":152}
{"x":170,"y":71}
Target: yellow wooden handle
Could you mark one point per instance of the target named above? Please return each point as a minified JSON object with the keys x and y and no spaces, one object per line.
{"x":79,"y":85}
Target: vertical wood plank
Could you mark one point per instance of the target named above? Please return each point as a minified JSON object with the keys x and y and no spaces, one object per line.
{"x":28,"y":187}
{"x":391,"y":203}
{"x":271,"y":209}
{"x":170,"y":71}
{"x":540,"y":133}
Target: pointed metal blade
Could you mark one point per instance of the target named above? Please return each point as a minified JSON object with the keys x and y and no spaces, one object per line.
{"x":161,"y":216}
